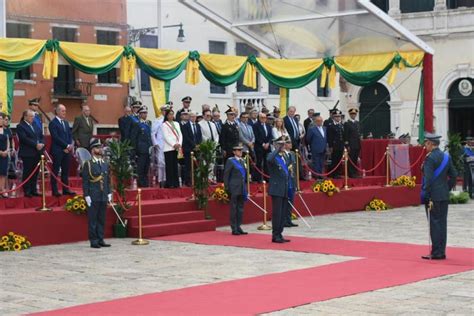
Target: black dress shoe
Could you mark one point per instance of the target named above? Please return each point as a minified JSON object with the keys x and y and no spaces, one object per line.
{"x":285,"y":240}
{"x":103,"y":244}
{"x":287,"y":225}
{"x":69,"y":193}
{"x":293,"y":225}
{"x":236,"y":233}
{"x":95,"y":246}
{"x":277,"y":240}
{"x":57,"y":194}
{"x":242,"y":232}
{"x":431,"y":257}
{"x":28,"y":195}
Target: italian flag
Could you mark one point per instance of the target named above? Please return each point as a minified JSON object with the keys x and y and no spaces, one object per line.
{"x":6,"y":91}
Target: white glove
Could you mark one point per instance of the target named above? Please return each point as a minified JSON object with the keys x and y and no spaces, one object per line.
{"x":88,"y":200}
{"x":109,"y":197}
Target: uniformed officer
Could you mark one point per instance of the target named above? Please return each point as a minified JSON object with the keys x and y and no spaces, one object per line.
{"x":290,"y":159}
{"x":235,"y":177}
{"x":229,"y":136}
{"x":352,"y":140}
{"x":97,"y":192}
{"x":141,"y":141}
{"x":439,"y":177}
{"x":186,"y":106}
{"x":279,"y":185}
{"x":34,"y":106}
{"x":335,"y":134}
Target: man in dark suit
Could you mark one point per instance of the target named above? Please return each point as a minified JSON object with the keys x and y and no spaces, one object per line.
{"x":335,"y":135}
{"x":235,"y":177}
{"x":186,"y":106}
{"x":141,"y":142}
{"x":192,"y":137}
{"x":352,"y":140}
{"x":31,"y":148}
{"x":229,"y":136}
{"x":317,"y":141}
{"x":439,"y":177}
{"x":309,"y":119}
{"x":83,"y":127}
{"x":278,"y":189}
{"x":291,"y":125}
{"x":263,"y":140}
{"x":61,"y":149}
{"x":97,"y":192}
{"x":123,"y":123}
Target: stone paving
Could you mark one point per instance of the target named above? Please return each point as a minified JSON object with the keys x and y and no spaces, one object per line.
{"x":52,"y":277}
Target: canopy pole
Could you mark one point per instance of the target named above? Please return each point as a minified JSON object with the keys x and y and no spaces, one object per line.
{"x":428,"y":92}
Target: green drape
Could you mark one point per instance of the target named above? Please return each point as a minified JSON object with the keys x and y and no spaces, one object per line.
{"x":165,"y":75}
{"x":86,"y":69}
{"x":15,"y":66}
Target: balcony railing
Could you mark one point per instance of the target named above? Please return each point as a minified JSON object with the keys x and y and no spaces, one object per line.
{"x":257,"y":99}
{"x":72,"y":90}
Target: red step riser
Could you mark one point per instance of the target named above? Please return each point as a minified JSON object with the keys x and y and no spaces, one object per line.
{"x":166,"y":218}
{"x":174,"y":228}
{"x":160,"y":208}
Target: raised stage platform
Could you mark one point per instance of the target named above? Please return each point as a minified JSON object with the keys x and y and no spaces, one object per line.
{"x":169,"y":212}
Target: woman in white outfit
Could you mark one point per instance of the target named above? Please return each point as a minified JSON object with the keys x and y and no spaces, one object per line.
{"x":278,"y":129}
{"x":173,"y":139}
{"x":158,"y":146}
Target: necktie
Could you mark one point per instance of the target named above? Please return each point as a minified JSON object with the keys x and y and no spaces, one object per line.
{"x":210,"y":129}
{"x":265,"y":129}
{"x":295,"y":128}
{"x":64,"y":125}
{"x":193,"y":127}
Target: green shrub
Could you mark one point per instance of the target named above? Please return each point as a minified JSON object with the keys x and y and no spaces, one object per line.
{"x":461,"y":198}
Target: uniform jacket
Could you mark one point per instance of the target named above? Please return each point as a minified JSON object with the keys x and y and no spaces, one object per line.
{"x":170,"y":137}
{"x":278,"y":183}
{"x":60,"y":137}
{"x":438,"y":189}
{"x":141,"y":137}
{"x":124,"y":127}
{"x":290,"y":159}
{"x":335,"y":135}
{"x":229,"y":136}
{"x":352,"y":134}
{"x":260,"y":137}
{"x":82,"y":131}
{"x":157,"y":132}
{"x":316,"y":140}
{"x":28,"y":138}
{"x":98,"y":190}
{"x":190,"y":140}
{"x":234,"y":182}
{"x":246,"y":135}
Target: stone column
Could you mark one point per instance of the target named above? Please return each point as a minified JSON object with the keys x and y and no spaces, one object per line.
{"x":394,"y":7}
{"x":440,"y":5}
{"x":441,"y":122}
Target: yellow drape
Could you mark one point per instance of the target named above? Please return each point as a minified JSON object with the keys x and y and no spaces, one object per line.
{"x":158,"y":94}
{"x":250,"y":76}
{"x":284,"y":101}
{"x":50,"y":64}
{"x":3,"y":91}
{"x":413,"y":58}
{"x":192,"y":72}
{"x":161,"y":58}
{"x":332,"y":77}
{"x":127,"y":68}
{"x":290,"y":68}
{"x":223,"y":65}
{"x":364,"y":63}
{"x":91,"y":55}
{"x":14,"y":49}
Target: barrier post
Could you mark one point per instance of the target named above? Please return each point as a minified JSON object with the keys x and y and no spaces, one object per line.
{"x":247,"y":162}
{"x":297,"y":154}
{"x":43,"y":207}
{"x":346,"y":175}
{"x":193,"y":196}
{"x":387,"y":155}
{"x":140,"y":241}
{"x":264,"y":226}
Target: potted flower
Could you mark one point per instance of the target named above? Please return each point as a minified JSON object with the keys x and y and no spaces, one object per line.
{"x":205,"y":157}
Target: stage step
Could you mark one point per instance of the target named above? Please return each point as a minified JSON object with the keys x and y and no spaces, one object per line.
{"x":166,"y":218}
{"x":173,"y":228}
{"x":155,"y":207}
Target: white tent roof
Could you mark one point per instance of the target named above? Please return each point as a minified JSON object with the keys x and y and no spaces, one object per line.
{"x":310,"y":28}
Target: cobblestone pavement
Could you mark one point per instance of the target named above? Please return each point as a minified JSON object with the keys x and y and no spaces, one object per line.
{"x":52,"y":277}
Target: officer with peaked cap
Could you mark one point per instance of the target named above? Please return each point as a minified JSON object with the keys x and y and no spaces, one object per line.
{"x":38,"y":121}
{"x":141,"y":141}
{"x":97,"y":192}
{"x":352,"y":140}
{"x":439,"y":177}
{"x":335,"y":136}
{"x":186,"y":106}
{"x":229,"y":136}
{"x":235,"y":179}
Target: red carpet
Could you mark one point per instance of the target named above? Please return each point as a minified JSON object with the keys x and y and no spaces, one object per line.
{"x":284,"y":290}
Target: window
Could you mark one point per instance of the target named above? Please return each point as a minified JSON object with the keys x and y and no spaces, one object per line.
{"x":20,"y":30}
{"x":407,"y":6}
{"x":216,"y":47}
{"x":147,"y":41}
{"x":454,"y":4}
{"x":273,"y":89}
{"x":242,"y":49}
{"x":65,"y":82}
{"x":381,"y":4}
{"x":322,"y":92}
{"x":107,"y":38}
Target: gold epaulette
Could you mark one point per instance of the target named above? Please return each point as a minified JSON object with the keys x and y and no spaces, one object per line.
{"x":91,"y":177}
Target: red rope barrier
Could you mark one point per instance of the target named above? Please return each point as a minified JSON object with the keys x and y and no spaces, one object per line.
{"x":59,"y":180}
{"x":258,"y":170}
{"x":367,"y":170}
{"x":305,"y":165}
{"x":122,"y":203}
{"x":409,"y":167}
{"x":24,"y":182}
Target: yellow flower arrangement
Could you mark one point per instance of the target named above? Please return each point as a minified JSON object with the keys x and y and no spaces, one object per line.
{"x":77,"y":205}
{"x":409,"y":182}
{"x":220,"y":194}
{"x":376,"y":205}
{"x":325,"y":186}
{"x":14,"y":242}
